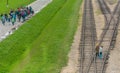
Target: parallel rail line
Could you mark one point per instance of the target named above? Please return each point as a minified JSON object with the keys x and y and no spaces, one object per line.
{"x":89,"y":63}
{"x":109,"y":34}
{"x":112,"y":22}
{"x":88,"y":39}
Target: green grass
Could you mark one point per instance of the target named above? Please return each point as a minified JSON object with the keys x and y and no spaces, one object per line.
{"x":41,"y":47}
{"x":19,"y":42}
{"x":12,"y":4}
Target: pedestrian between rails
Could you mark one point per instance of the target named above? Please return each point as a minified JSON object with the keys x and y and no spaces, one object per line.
{"x":100,"y":52}
{"x":97,"y":50}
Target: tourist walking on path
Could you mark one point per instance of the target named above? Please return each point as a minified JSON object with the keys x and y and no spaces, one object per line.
{"x":9,"y":18}
{"x":31,"y":10}
{"x":18,"y":12}
{"x":21,"y":13}
{"x":3,"y":19}
{"x":100,"y":52}
{"x":97,"y":50}
{"x":13,"y":21}
{"x":6,"y":17}
{"x":37,"y":6}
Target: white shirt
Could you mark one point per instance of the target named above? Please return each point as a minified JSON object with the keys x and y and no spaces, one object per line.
{"x":100,"y":49}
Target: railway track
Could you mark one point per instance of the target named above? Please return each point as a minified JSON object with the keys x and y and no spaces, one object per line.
{"x":104,"y":8}
{"x":111,"y":18}
{"x":89,"y":63}
{"x":88,"y":40}
{"x":109,"y":33}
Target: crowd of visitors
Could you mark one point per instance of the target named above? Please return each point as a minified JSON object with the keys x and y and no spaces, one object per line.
{"x":20,"y":15}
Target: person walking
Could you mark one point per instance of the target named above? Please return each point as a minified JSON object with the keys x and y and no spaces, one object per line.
{"x":23,"y":15}
{"x":18,"y":12}
{"x":6,"y":17}
{"x":9,"y":17}
{"x":100,"y":52}
{"x":31,"y":10}
{"x":13,"y":21}
{"x":14,"y":16}
{"x":3,"y":19}
{"x":97,"y":50}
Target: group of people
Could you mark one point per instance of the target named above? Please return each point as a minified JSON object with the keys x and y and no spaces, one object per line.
{"x":99,"y":51}
{"x":19,"y":14}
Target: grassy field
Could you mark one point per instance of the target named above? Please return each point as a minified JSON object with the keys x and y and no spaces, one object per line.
{"x":12,"y":4}
{"x":42,"y":47}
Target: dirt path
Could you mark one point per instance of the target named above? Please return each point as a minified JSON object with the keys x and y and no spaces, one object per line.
{"x":6,"y":29}
{"x":113,"y":65}
{"x":111,"y":4}
{"x":114,"y":58}
{"x":99,"y":18}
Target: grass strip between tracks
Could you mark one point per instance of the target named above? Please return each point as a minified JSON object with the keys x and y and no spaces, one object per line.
{"x":41,"y":45}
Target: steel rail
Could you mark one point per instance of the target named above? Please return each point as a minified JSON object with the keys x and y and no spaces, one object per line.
{"x":115,"y":27}
{"x":88,"y":24}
